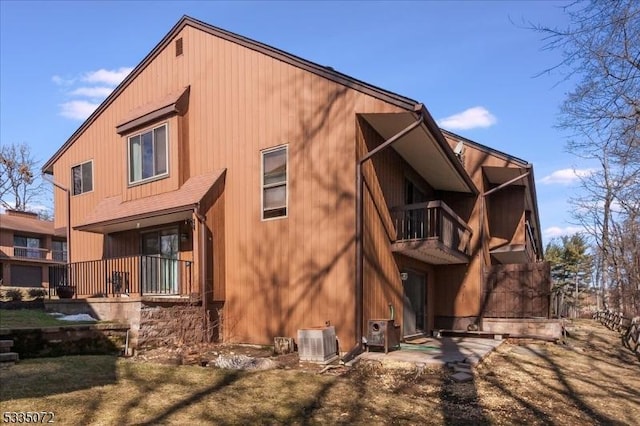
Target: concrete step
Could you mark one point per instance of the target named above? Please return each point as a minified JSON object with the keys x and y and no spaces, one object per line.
{"x":6,"y":345}
{"x":462,"y":368}
{"x":473,"y":360}
{"x":9,"y":357}
{"x":462,"y":377}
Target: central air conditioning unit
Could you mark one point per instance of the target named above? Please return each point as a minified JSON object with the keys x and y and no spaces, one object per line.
{"x":317,"y":344}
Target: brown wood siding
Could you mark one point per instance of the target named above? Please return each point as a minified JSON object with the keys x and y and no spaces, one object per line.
{"x":517,"y":291}
{"x":215,"y":280}
{"x":385,"y":178}
{"x":382,"y":283}
{"x":459,"y":288}
{"x":505,"y":210}
{"x":279,"y":275}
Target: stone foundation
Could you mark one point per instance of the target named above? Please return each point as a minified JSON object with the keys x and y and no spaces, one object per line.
{"x":534,"y":327}
{"x":153,"y":322}
{"x":163,"y":324}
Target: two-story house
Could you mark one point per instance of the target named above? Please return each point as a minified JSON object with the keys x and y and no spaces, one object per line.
{"x":267,"y":193}
{"x":29,"y":246}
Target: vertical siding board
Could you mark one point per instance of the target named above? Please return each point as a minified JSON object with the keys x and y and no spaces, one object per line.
{"x":241,"y":102}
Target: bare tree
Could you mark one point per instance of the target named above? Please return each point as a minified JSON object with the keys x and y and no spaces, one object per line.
{"x":19,"y":182}
{"x":601,"y":51}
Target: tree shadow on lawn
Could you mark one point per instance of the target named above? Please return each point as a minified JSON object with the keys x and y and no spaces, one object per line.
{"x":557,"y":383}
{"x":42,"y":377}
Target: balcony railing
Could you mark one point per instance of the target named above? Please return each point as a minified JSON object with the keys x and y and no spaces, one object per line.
{"x":36,"y":253}
{"x":131,"y":275}
{"x":30,"y":252}
{"x":431,"y":221}
{"x":532,"y":252}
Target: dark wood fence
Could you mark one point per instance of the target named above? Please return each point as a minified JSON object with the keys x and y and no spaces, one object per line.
{"x":628,"y":328}
{"x":517,"y":291}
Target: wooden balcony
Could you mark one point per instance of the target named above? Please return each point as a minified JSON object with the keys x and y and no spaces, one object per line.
{"x":518,"y":253}
{"x":431,"y":232}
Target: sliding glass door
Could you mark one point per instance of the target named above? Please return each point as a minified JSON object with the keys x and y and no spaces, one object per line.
{"x":160,"y":262}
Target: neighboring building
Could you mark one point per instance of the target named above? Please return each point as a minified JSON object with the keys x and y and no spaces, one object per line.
{"x":222,"y":173}
{"x":28,"y":247}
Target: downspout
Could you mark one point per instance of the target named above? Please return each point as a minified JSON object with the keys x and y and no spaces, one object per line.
{"x":68,"y":192}
{"x":203,"y":263}
{"x":359,"y":290}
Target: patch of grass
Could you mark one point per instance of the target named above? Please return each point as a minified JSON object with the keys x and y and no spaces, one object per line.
{"x":30,"y":318}
{"x":590,"y":381}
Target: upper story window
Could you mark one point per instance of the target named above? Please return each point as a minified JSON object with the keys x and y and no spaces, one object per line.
{"x":24,"y":246}
{"x":148,"y":155}
{"x":82,"y":176}
{"x":274,"y":183}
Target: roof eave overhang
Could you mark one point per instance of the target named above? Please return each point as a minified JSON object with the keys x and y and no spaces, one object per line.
{"x":424,"y":149}
{"x":138,"y":221}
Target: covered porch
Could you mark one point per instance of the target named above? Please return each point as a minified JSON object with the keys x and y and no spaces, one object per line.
{"x":159,"y":245}
{"x":125,"y":276}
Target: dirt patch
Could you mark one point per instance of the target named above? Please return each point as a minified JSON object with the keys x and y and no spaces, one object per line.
{"x":208,"y":354}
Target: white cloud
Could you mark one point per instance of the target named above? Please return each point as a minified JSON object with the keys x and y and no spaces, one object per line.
{"x":61,"y":81}
{"x":566,"y":176}
{"x":469,"y":119}
{"x":92,"y":92}
{"x":77,"y":110}
{"x":98,"y":85}
{"x":556,"y":231}
{"x":110,"y":77}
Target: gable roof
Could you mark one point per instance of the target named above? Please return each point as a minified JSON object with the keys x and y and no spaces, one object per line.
{"x":487,"y":149}
{"x":27,"y":224}
{"x":322,"y":71}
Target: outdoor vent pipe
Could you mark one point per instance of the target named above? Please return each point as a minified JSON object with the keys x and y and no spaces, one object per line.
{"x":359,"y":323}
{"x":202,"y":227}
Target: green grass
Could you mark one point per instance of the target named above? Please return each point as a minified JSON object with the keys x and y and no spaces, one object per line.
{"x":31,"y":318}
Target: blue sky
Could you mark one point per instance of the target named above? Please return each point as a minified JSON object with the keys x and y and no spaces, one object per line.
{"x":471,"y":63}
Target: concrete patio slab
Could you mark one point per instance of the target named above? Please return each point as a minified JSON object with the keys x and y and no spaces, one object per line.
{"x":436,"y":352}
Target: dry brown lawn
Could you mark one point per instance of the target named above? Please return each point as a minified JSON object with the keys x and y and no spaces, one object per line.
{"x":591,"y":380}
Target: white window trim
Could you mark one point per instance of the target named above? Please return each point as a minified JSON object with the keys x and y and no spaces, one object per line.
{"x":286,"y":182}
{"x":93,"y":181}
{"x":155,"y":177}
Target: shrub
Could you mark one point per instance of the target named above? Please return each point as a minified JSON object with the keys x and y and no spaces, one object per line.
{"x":37,"y":293}
{"x":14,"y":294}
